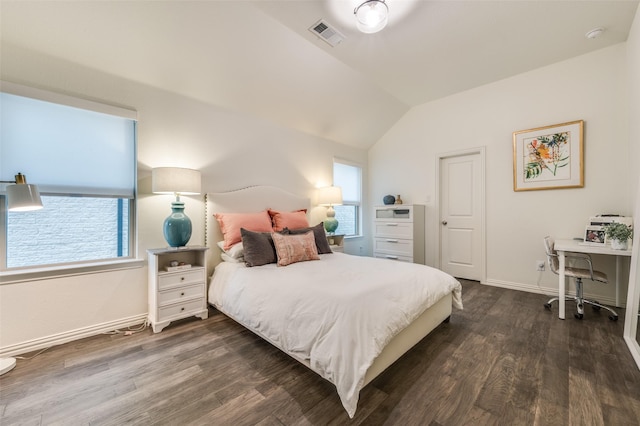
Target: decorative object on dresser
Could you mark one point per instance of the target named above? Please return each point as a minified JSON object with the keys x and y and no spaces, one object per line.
{"x":399,"y":233}
{"x":330,"y":196}
{"x":177,"y":181}
{"x":336,"y":242}
{"x":388,"y":200}
{"x":177,"y":285}
{"x":398,"y":200}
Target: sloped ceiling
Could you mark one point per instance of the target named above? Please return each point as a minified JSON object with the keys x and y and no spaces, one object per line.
{"x":258,"y":57}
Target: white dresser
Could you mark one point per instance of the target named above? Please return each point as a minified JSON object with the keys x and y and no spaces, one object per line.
{"x":398,"y":232}
{"x":180,"y":291}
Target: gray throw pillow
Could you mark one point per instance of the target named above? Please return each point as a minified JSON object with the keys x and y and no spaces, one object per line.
{"x":258,"y":248}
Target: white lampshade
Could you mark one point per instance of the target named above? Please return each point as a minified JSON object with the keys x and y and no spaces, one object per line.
{"x":371,"y":16}
{"x":175,"y":180}
{"x":330,"y":196}
{"x":22,"y":197}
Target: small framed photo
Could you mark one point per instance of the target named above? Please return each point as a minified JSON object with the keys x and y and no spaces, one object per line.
{"x":595,"y":235}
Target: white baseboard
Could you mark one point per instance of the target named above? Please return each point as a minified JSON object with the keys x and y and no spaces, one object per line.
{"x":609,"y":301}
{"x":68,"y":336}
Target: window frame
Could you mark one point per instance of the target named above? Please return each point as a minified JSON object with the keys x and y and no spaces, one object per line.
{"x":47,"y":271}
{"x":356,"y":204}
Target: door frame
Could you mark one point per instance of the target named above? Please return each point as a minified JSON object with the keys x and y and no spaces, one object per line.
{"x":481,"y":150}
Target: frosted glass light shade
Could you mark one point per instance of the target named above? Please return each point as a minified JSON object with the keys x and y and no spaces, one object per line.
{"x":371,"y":16}
{"x":330,"y":196}
{"x":175,"y":180}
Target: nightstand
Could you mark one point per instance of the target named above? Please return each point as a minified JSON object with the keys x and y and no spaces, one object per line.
{"x":177,"y":292}
{"x":336,"y":243}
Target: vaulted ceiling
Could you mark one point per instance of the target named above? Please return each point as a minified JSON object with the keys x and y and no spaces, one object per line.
{"x":259,"y":57}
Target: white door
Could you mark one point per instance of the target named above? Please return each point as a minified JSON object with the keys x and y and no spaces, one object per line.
{"x":461,"y":215}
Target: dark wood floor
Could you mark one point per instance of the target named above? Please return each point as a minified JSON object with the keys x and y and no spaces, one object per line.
{"x":504,"y":360}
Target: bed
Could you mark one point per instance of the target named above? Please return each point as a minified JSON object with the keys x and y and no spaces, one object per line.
{"x":345,"y":317}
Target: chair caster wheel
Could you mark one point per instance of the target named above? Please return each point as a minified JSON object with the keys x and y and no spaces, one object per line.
{"x":578,"y":316}
{"x":595,"y":308}
{"x":613,"y":317}
{"x":547,"y":306}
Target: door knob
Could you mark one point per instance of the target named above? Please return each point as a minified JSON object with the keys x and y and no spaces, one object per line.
{"x":444,"y":222}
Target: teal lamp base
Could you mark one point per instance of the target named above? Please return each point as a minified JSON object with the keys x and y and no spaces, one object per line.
{"x":331,"y":223}
{"x":177,"y":227}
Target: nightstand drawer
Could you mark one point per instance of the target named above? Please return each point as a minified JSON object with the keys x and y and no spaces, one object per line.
{"x":173,"y":279}
{"x":394,"y":257}
{"x":393,"y":246}
{"x":393,"y":229}
{"x":183,"y":293}
{"x":180,"y":309}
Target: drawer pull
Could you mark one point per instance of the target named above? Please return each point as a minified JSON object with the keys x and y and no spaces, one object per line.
{"x":392,"y":241}
{"x":392,"y":224}
{"x":182,"y":309}
{"x":181,"y":278}
{"x":182,"y":294}
{"x":391,"y":257}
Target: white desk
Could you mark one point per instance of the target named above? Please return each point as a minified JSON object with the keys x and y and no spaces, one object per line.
{"x":575,"y":246}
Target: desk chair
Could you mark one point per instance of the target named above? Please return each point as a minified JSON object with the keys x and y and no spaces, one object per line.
{"x":578,"y":274}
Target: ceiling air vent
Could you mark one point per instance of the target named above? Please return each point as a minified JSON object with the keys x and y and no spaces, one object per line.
{"x":327,"y":33}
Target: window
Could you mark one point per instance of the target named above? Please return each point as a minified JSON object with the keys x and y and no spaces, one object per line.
{"x":348,"y":177}
{"x":82,"y":156}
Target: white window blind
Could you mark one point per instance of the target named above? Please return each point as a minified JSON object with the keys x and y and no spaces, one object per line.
{"x":67,"y":150}
{"x":348,"y":178}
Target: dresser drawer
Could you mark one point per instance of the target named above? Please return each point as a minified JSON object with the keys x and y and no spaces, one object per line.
{"x":181,"y":310}
{"x":393,"y":246}
{"x":393,"y":257}
{"x":393,"y":229}
{"x":181,"y":293}
{"x":173,"y":279}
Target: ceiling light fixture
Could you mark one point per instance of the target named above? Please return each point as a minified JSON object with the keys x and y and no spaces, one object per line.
{"x":371,"y":16}
{"x":594,"y":33}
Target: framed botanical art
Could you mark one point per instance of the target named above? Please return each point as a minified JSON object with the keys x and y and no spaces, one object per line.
{"x":549,"y":157}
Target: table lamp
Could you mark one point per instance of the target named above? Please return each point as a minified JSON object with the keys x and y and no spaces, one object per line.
{"x":177,"y":181}
{"x":330,"y":196}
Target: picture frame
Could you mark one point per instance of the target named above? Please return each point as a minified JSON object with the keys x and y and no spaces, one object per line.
{"x":549,"y":157}
{"x":595,"y":236}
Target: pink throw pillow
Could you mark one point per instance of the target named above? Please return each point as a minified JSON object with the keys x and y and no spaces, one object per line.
{"x":291,"y":220}
{"x":295,"y":248}
{"x":230,"y":224}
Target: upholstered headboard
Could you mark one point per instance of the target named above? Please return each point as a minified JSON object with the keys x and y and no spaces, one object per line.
{"x":245,"y":200}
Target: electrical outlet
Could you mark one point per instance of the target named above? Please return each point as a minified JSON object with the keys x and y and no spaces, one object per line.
{"x":540,"y":265}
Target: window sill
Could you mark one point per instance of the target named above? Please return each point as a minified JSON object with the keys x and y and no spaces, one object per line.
{"x":51,"y":272}
{"x":352,"y":237}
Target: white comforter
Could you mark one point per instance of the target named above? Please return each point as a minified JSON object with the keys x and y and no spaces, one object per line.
{"x":338,"y":313}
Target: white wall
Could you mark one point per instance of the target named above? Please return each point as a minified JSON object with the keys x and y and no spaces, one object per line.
{"x":633,"y":64}
{"x":231,"y":149}
{"x":591,"y":88}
